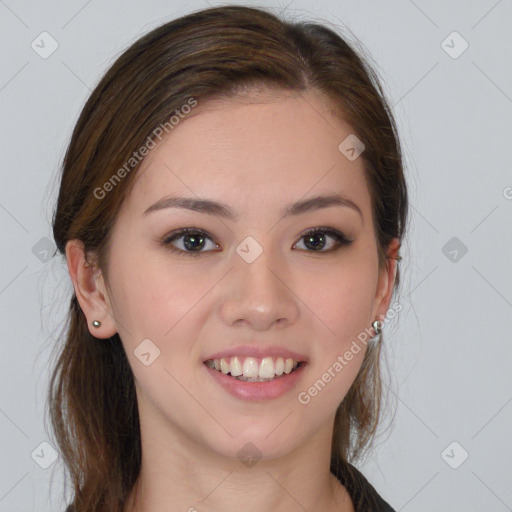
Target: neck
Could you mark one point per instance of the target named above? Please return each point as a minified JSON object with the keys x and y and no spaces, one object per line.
{"x":179,"y":475}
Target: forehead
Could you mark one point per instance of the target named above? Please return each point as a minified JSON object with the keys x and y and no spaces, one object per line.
{"x":269,"y":146}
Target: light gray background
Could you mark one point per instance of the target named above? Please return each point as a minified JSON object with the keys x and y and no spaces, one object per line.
{"x":450,"y":350}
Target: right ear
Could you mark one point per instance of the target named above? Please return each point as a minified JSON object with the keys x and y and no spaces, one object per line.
{"x":90,"y":290}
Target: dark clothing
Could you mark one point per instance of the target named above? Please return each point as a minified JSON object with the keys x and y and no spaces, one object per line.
{"x":364,"y":496}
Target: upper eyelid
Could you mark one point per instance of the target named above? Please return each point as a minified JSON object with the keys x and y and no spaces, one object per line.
{"x":178,"y":233}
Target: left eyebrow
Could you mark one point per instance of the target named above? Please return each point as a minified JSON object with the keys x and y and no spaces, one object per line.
{"x":209,"y":207}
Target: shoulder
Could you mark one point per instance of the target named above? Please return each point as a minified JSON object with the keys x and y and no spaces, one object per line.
{"x":363,"y":494}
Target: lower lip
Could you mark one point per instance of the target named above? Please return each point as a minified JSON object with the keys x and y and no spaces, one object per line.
{"x":257,"y":390}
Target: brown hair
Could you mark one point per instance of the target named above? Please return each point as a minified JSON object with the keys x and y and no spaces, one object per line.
{"x":212,"y":53}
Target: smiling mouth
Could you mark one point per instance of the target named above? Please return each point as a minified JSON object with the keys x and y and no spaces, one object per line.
{"x":250,"y":369}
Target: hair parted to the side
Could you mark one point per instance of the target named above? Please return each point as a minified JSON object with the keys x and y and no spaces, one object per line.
{"x":214,"y":53}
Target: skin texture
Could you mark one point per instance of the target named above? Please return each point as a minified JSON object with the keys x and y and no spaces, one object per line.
{"x":257,"y":156}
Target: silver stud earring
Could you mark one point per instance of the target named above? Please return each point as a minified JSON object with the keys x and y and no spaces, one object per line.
{"x":377,"y":326}
{"x":96,"y":323}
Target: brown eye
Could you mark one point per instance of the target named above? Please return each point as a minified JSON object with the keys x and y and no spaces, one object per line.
{"x":193,"y":241}
{"x":316,"y":239}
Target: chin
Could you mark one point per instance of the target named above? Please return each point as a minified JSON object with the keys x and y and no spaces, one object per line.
{"x":255,"y":441}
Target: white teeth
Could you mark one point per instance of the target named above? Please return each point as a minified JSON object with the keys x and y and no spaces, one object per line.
{"x":235,"y":367}
{"x":251,"y":369}
{"x":279,"y":366}
{"x":288,"y":366}
{"x":224,"y":366}
{"x":266,"y":368}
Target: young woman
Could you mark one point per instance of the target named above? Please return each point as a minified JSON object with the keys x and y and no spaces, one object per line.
{"x":231,"y":207}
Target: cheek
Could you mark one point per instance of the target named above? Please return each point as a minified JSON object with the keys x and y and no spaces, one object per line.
{"x":152,"y":296}
{"x":342,"y":301}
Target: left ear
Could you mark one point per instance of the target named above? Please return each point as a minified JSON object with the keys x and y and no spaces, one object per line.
{"x":386,"y":282}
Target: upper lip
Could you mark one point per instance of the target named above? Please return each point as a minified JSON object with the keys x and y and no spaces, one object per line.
{"x":258,"y":352}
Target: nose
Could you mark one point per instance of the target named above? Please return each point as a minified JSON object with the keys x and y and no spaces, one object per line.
{"x":259,"y":295}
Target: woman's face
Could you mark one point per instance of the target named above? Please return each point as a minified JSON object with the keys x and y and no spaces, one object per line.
{"x":251,"y":285}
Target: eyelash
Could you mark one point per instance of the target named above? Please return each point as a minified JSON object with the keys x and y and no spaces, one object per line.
{"x":340,"y":238}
